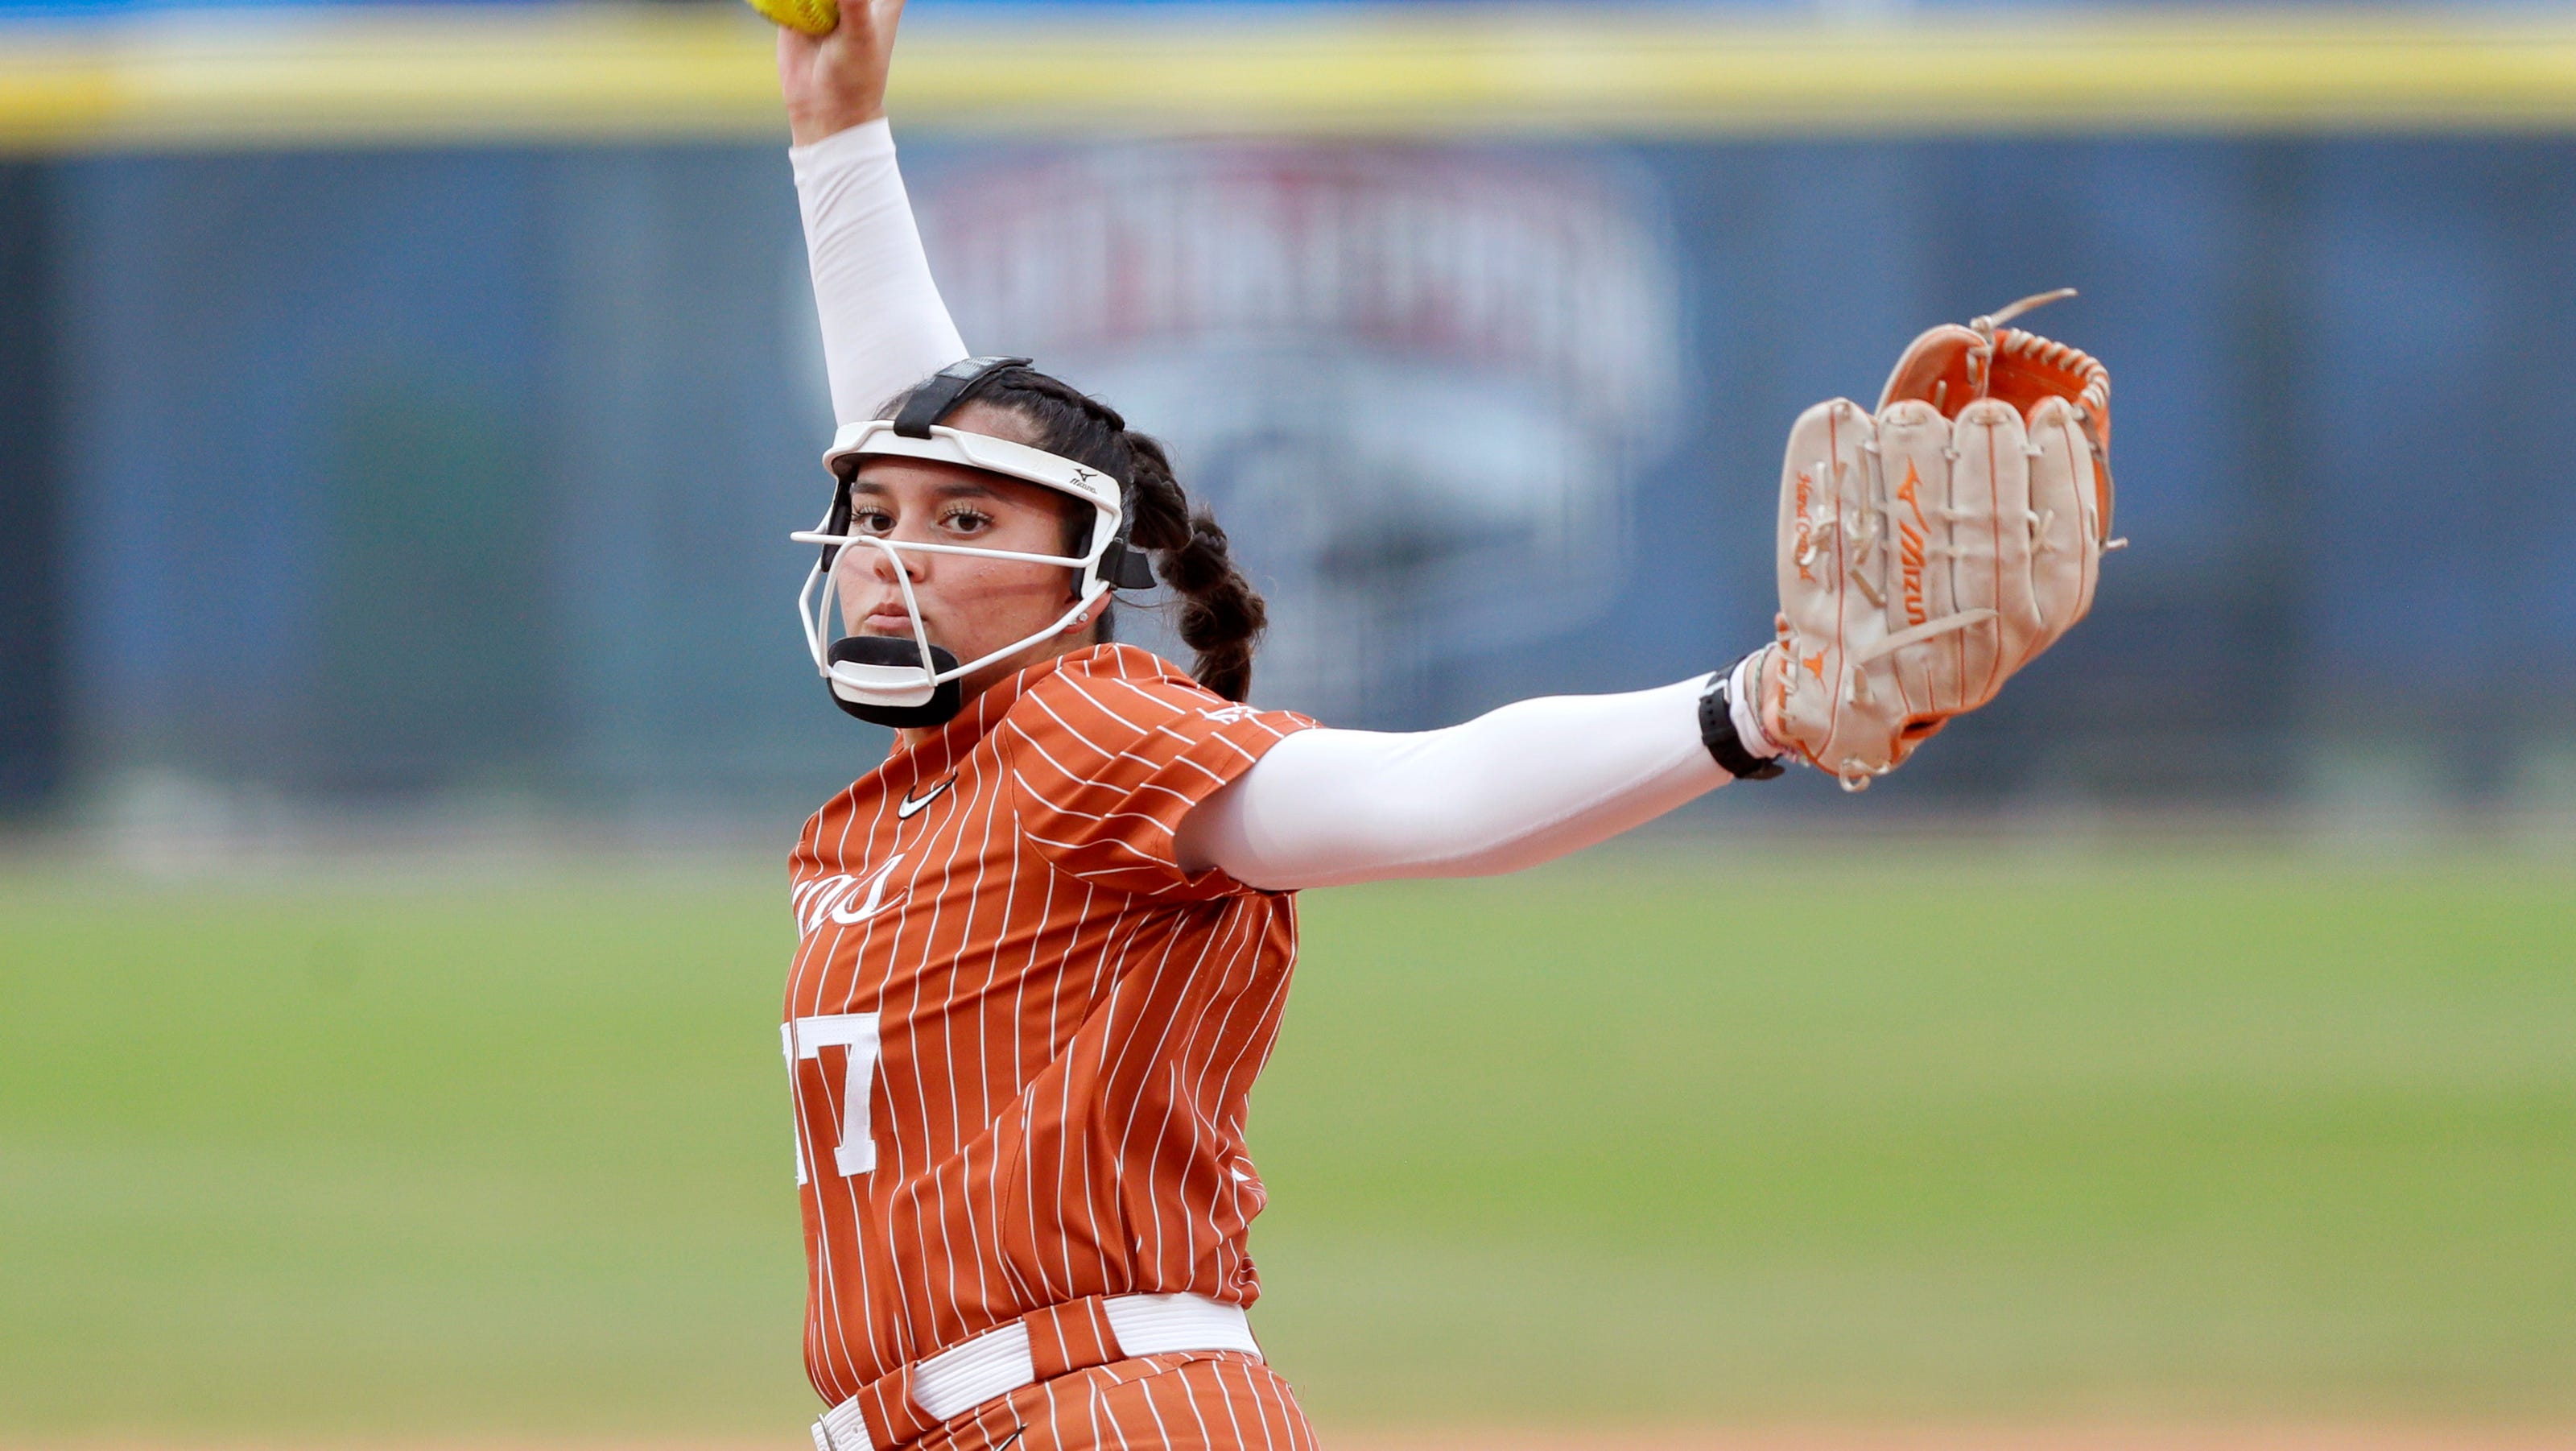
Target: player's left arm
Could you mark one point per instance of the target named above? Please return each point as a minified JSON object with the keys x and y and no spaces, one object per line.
{"x":1513,"y":788}
{"x":1988,"y":457}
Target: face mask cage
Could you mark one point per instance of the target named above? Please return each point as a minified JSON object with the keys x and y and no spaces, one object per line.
{"x":1107,"y":563}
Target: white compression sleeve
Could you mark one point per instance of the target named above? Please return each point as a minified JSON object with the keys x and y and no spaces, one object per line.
{"x":884,"y":327}
{"x":1523,"y":785}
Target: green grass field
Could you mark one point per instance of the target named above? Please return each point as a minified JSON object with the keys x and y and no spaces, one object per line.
{"x":1645,"y":1139}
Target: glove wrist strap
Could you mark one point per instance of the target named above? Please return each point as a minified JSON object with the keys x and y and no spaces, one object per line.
{"x":1717,"y":731}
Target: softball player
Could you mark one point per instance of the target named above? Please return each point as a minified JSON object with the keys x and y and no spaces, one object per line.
{"x":1045,"y":945}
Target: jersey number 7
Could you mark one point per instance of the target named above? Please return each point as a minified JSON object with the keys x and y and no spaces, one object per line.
{"x":856,"y":1151}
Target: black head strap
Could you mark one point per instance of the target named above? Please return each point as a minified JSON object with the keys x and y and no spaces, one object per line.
{"x":1125,"y":566}
{"x":932,"y":401}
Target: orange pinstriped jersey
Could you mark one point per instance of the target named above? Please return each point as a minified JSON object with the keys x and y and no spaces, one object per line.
{"x":1020,"y":1036}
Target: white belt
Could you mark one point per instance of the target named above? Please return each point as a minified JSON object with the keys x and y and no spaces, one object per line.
{"x":998,"y":1362}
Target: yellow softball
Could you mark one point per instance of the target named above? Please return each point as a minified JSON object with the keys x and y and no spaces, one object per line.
{"x":814,"y":17}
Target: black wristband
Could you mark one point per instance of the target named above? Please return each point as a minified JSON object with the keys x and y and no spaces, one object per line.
{"x":1717,"y":732}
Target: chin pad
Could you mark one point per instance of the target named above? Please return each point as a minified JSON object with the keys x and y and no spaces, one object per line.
{"x":940,"y":709}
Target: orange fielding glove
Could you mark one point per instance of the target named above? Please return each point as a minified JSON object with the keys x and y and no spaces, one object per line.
{"x":1928,"y":552}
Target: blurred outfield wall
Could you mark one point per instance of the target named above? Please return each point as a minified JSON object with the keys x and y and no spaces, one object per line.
{"x":454,"y":466}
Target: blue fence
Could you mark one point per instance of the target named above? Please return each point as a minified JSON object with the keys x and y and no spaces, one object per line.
{"x":401,"y":475}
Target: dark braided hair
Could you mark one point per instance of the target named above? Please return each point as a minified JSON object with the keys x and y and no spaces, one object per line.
{"x":1221,"y":614}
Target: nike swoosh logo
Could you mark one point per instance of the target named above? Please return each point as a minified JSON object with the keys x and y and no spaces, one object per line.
{"x":1005,"y":1443}
{"x":906,"y":809}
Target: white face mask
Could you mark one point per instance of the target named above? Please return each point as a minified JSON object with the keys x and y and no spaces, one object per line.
{"x":914,"y":683}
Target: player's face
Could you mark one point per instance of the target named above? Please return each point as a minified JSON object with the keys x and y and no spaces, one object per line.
{"x":969,"y":605}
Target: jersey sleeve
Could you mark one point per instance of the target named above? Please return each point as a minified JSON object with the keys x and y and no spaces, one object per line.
{"x":1105,"y":766}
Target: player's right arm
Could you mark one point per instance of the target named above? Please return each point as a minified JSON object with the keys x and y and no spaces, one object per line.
{"x":884,"y":326}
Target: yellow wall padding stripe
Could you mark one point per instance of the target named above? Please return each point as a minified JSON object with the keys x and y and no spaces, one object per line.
{"x":324,"y":78}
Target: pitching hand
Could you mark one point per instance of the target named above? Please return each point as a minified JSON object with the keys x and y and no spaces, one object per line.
{"x":836,"y":81}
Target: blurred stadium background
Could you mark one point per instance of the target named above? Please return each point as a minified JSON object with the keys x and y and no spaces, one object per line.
{"x":403,"y":409}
